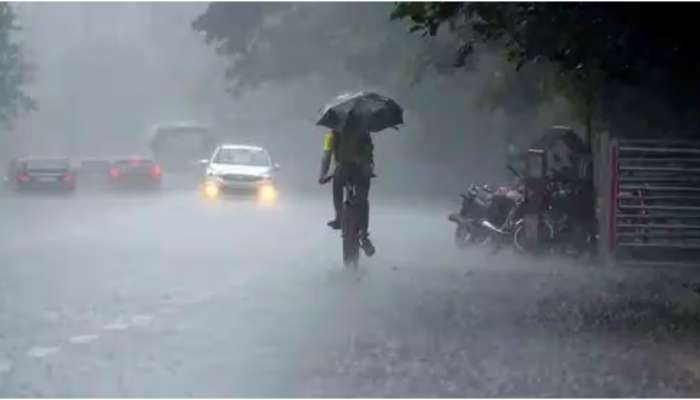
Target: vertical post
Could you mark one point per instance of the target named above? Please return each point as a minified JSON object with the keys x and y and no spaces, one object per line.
{"x":614,"y":193}
{"x":535,"y":186}
{"x":603,"y":175}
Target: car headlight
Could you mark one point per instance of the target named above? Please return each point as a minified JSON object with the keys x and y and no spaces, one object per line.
{"x":211,"y":189}
{"x":267,"y":194}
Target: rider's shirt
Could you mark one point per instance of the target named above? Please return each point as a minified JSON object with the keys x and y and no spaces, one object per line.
{"x":354,"y":148}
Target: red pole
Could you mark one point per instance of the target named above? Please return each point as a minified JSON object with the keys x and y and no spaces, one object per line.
{"x":614,"y":193}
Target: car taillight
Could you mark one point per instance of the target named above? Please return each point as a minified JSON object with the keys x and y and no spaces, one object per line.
{"x":23,"y":177}
{"x":156,"y":172}
{"x":114,"y":173}
{"x":68,"y":177}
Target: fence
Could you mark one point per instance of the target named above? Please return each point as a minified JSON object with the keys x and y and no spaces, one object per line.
{"x":652,"y":196}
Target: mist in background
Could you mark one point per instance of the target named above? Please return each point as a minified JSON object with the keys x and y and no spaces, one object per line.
{"x":103,"y":73}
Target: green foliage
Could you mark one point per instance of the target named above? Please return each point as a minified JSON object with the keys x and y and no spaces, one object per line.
{"x":298,"y":40}
{"x":14,"y":73}
{"x":536,"y":38}
{"x":570,"y":50}
{"x":594,"y":46}
{"x":570,"y":35}
{"x":232,"y":26}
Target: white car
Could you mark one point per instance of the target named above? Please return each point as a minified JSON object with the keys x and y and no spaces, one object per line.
{"x":240,"y":169}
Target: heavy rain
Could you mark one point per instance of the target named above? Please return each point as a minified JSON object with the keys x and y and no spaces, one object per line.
{"x":248,"y":199}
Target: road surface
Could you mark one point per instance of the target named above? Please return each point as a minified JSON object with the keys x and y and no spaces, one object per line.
{"x":144,"y":295}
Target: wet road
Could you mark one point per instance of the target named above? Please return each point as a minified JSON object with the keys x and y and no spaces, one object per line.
{"x":169,"y":295}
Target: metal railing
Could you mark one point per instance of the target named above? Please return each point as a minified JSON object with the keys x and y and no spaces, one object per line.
{"x":656,"y":201}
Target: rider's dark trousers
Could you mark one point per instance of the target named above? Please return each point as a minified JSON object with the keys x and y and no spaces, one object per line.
{"x":359,"y":175}
{"x":337,"y":195}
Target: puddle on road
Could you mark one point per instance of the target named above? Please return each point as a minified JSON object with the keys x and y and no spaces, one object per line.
{"x":41,"y":352}
{"x":82,"y":339}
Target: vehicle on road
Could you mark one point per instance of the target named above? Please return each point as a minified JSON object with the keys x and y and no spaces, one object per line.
{"x":240,"y":169}
{"x":178,"y":146}
{"x":43,"y":173}
{"x":135,"y":172}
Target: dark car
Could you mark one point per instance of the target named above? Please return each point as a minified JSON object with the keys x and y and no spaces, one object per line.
{"x":43,"y":173}
{"x":135,"y":172}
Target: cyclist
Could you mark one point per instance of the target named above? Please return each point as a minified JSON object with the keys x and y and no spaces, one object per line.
{"x":352,"y":153}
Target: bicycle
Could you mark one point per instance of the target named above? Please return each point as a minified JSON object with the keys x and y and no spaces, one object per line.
{"x":350,"y":223}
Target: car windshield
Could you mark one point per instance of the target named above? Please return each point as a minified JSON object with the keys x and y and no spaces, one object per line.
{"x":47,"y":164}
{"x":242,"y":156}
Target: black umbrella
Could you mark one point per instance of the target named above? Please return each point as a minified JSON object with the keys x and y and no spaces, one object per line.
{"x":361,"y":112}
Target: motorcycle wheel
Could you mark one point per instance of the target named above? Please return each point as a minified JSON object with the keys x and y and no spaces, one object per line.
{"x":463,"y":237}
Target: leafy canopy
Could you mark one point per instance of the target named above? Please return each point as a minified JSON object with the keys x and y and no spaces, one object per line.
{"x":644,"y":44}
{"x":14,"y":72}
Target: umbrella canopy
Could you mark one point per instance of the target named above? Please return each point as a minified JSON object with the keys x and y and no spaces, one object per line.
{"x":361,"y":112}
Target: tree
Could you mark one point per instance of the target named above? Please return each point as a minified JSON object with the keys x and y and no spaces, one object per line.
{"x":343,"y":46}
{"x":286,"y":41}
{"x":14,"y":72}
{"x":601,"y":49}
{"x":233,"y":25}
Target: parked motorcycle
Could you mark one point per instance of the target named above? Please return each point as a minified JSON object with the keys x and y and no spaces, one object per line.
{"x":474,"y":209}
{"x":510,"y":228}
{"x":498,"y":220}
{"x":497,"y":217}
{"x":487,"y":216}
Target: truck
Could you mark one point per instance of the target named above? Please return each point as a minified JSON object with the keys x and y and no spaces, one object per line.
{"x":178,"y":146}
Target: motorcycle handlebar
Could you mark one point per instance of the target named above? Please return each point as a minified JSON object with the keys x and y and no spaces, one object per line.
{"x":329,"y":178}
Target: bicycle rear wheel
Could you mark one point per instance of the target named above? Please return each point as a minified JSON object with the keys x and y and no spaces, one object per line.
{"x":351,"y":239}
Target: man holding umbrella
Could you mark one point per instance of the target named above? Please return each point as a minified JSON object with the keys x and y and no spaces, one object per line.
{"x":351,"y":118}
{"x":354,"y":159}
